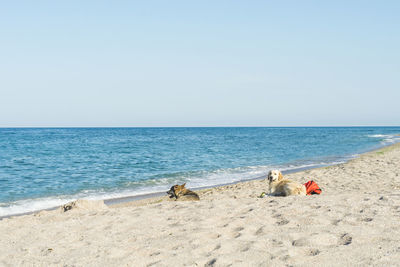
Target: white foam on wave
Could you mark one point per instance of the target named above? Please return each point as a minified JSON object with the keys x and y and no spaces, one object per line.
{"x":378,"y":135}
{"x":387,"y":139}
{"x":37,"y":204}
{"x":30,"y":205}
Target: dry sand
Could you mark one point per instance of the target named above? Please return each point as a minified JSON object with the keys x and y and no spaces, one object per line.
{"x":355,"y":222}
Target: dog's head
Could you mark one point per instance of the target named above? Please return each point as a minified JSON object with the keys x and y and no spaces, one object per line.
{"x":274,"y":176}
{"x":176,"y":190}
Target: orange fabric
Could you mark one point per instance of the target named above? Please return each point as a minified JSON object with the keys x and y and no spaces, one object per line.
{"x":312,"y":188}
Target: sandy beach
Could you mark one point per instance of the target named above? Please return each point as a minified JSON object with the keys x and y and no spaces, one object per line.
{"x":354,"y":222}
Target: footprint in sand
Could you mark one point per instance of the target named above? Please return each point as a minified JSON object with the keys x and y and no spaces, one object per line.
{"x":211,"y":262}
{"x":284,"y":258}
{"x":282,"y":222}
{"x":301,"y":242}
{"x":46,"y":251}
{"x":345,"y":239}
{"x":237,"y":231}
{"x":276,"y":243}
{"x":260,"y":231}
{"x":246,"y":247}
{"x":367,"y":219}
{"x":313,"y":252}
{"x":153,"y":264}
{"x":155,"y":254}
{"x":225,"y":225}
{"x":277,"y":215}
{"x":217,"y":247}
{"x":214,"y":235}
{"x":177,"y":247}
{"x":316,"y":240}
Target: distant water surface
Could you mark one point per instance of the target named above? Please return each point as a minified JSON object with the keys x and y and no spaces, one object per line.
{"x":46,"y":167}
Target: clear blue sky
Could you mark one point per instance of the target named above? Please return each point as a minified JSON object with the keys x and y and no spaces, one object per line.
{"x":199,"y":63}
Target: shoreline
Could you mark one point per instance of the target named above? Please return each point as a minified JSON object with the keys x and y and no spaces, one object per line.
{"x":121,"y":200}
{"x":352,"y":223}
{"x":118,"y":201}
{"x":151,"y":198}
{"x":147,"y":197}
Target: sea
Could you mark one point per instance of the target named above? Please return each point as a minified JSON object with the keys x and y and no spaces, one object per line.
{"x":41,"y":168}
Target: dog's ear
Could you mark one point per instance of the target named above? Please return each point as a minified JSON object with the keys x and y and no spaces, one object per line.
{"x":280,"y":177}
{"x":183,"y":185}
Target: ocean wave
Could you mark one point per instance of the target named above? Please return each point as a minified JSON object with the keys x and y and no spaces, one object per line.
{"x":30,"y":205}
{"x":386,"y":139}
{"x":37,"y":204}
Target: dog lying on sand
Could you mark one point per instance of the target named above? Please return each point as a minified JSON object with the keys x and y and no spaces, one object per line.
{"x":180,"y":192}
{"x":279,"y":186}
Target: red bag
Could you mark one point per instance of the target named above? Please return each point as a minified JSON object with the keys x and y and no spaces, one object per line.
{"x":312,"y":188}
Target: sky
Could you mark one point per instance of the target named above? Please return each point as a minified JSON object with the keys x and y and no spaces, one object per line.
{"x":199,"y":63}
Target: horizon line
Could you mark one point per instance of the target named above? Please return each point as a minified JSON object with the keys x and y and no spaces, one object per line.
{"x":273,"y":126}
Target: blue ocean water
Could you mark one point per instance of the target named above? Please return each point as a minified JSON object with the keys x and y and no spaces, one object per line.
{"x":46,"y":167}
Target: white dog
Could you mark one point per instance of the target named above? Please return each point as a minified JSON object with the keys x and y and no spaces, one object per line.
{"x":279,"y":186}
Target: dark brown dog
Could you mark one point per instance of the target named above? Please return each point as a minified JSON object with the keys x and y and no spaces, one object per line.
{"x":180,"y":192}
